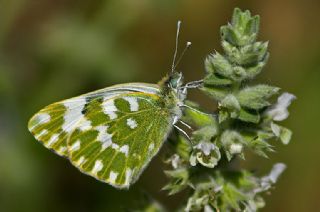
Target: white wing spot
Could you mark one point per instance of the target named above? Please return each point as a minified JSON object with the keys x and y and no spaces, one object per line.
{"x":85,"y":125}
{"x":42,"y":133}
{"x":106,"y":145}
{"x":115,"y":146}
{"x":128,"y":176}
{"x":73,"y":113}
{"x":80,"y":161}
{"x":53,"y":139}
{"x":151,"y":147}
{"x":109,"y":108}
{"x":125,"y":149}
{"x":104,"y":137}
{"x":97,"y":167}
{"x":40,"y":118}
{"x":113,"y":176}
{"x":75,"y":146}
{"x":133,"y":102}
{"x":131,"y":123}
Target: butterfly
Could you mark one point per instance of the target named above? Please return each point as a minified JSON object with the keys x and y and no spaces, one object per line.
{"x":112,"y":134}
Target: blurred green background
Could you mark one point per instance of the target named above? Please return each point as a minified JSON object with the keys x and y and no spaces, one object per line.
{"x":55,"y":49}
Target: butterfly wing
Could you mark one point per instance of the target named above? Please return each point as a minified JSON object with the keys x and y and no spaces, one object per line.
{"x":117,"y":137}
{"x":53,"y":124}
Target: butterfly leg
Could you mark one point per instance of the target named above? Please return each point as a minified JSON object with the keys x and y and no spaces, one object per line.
{"x":185,"y":124}
{"x":183,"y":132}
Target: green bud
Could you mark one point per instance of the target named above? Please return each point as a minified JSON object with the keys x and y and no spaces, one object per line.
{"x":216,"y":63}
{"x":255,"y":97}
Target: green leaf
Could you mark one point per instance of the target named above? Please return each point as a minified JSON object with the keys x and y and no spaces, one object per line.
{"x":206,"y":134}
{"x":249,"y":116}
{"x":255,"y":97}
{"x":196,"y":117}
{"x":259,"y":146}
{"x":214,"y":80}
{"x":231,"y":197}
{"x":255,"y":70}
{"x":218,"y":93}
{"x":202,"y":197}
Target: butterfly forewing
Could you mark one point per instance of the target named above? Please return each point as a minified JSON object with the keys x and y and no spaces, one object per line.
{"x":117,"y":137}
{"x":53,"y":124}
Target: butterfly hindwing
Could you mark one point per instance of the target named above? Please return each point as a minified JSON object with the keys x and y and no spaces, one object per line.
{"x":117,"y":137}
{"x":53,"y":124}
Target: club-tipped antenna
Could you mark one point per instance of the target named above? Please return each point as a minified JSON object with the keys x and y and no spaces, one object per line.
{"x":176,"y":47}
{"x":188,"y":44}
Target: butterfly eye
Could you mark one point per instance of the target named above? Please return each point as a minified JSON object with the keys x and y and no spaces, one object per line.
{"x":175,"y":80}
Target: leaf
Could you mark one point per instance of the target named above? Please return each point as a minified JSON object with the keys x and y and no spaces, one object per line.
{"x":231,"y":197}
{"x":218,"y":93}
{"x":249,"y":116}
{"x":195,"y":116}
{"x":259,"y":146}
{"x":214,"y":80}
{"x":255,"y":70}
{"x":255,"y":97}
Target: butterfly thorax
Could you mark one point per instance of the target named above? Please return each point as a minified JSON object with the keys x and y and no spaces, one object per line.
{"x":173,"y":95}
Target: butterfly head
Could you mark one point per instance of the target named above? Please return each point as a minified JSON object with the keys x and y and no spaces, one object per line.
{"x":175,"y":80}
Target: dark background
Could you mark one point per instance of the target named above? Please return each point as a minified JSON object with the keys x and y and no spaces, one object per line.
{"x":56,"y":49}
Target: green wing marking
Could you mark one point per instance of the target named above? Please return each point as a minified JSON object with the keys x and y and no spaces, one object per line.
{"x":117,"y":137}
{"x":53,"y":124}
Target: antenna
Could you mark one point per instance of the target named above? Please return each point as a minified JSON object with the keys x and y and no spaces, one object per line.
{"x":183,"y":52}
{"x":176,"y":62}
{"x":176,"y":47}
